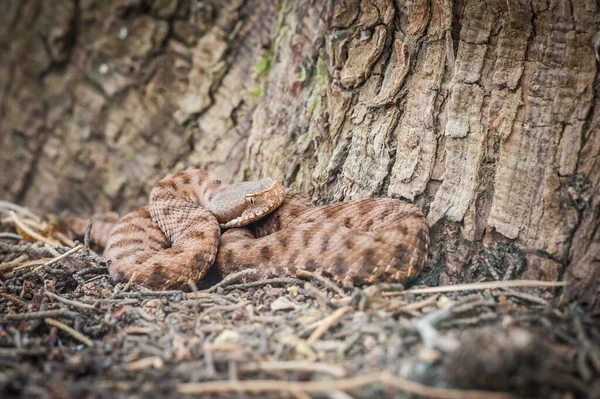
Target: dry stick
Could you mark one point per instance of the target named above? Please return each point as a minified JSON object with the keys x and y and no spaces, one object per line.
{"x":86,"y":237}
{"x":16,"y":352}
{"x":300,"y":365}
{"x":14,"y":263}
{"x":277,"y":280}
{"x":417,"y":305}
{"x":478,"y":286}
{"x":13,"y":299}
{"x":319,"y":295}
{"x":38,"y":315}
{"x":9,"y":206}
{"x":21,"y":225}
{"x":69,"y":302}
{"x":145,"y":363}
{"x":52,"y":250}
{"x":73,"y":333}
{"x":338,"y":395}
{"x":35,"y":262}
{"x":98,"y":277}
{"x":61,"y":257}
{"x":133,"y":276}
{"x":327,"y":323}
{"x":590,"y":348}
{"x":11,"y":236}
{"x":66,"y":240}
{"x":441,"y":393}
{"x":300,"y":395}
{"x":347,"y":384}
{"x":424,"y":325}
{"x":150,"y":294}
{"x":329,"y":284}
{"x":521,"y":295}
{"x":224,"y":308}
{"x":232,"y":278}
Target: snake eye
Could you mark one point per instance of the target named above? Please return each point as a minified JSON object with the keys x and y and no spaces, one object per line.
{"x":251,"y":200}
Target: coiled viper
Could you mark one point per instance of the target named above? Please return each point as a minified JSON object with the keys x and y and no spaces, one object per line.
{"x":177,"y":238}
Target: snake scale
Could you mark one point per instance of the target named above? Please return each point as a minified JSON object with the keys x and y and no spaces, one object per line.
{"x":194,"y":222}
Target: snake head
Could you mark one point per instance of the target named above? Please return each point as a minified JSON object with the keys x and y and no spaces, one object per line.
{"x":239,"y":204}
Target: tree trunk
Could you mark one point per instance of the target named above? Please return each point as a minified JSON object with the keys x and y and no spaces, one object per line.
{"x":485,"y":114}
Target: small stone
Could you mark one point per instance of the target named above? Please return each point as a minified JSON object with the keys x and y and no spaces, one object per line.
{"x":123,"y":32}
{"x":283,"y":303}
{"x":74,"y":361}
{"x":443,"y":301}
{"x":227,"y":336}
{"x":429,"y":355}
{"x":369,"y":342}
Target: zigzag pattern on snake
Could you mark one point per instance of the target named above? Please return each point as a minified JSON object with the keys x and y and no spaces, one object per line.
{"x":177,"y":238}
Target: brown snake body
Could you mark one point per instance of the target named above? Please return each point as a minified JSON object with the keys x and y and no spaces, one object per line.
{"x":177,"y":238}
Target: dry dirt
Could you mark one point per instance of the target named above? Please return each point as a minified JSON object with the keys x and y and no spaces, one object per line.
{"x":67,"y":331}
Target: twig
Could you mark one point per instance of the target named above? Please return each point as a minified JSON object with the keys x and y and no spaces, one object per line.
{"x":6,"y":207}
{"x":278,"y":280}
{"x":425,"y":325}
{"x":98,"y":277}
{"x":131,"y":280}
{"x":66,"y":240}
{"x":347,"y":384}
{"x":319,"y":295}
{"x":591,"y":350}
{"x":522,"y":295}
{"x":334,"y":371}
{"x":143,"y":294}
{"x":468,"y":306}
{"x":338,"y":395}
{"x":479,"y":286}
{"x":327,"y":323}
{"x":11,"y":236}
{"x":224,"y":308}
{"x":86,"y":237}
{"x":38,"y":315}
{"x":13,"y":299}
{"x":300,"y":395}
{"x":34,"y":262}
{"x":14,"y":263}
{"x":69,"y":302}
{"x":329,"y":284}
{"x":61,"y":257}
{"x":232,"y":278}
{"x":145,"y":363}
{"x":417,"y":305}
{"x":52,"y":250}
{"x":441,"y":393}
{"x":27,"y":230}
{"x":73,"y":333}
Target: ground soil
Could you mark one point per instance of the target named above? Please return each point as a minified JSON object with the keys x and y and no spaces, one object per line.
{"x":68,"y":331}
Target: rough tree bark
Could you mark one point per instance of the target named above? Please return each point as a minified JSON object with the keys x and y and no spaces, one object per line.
{"x":484,"y":113}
